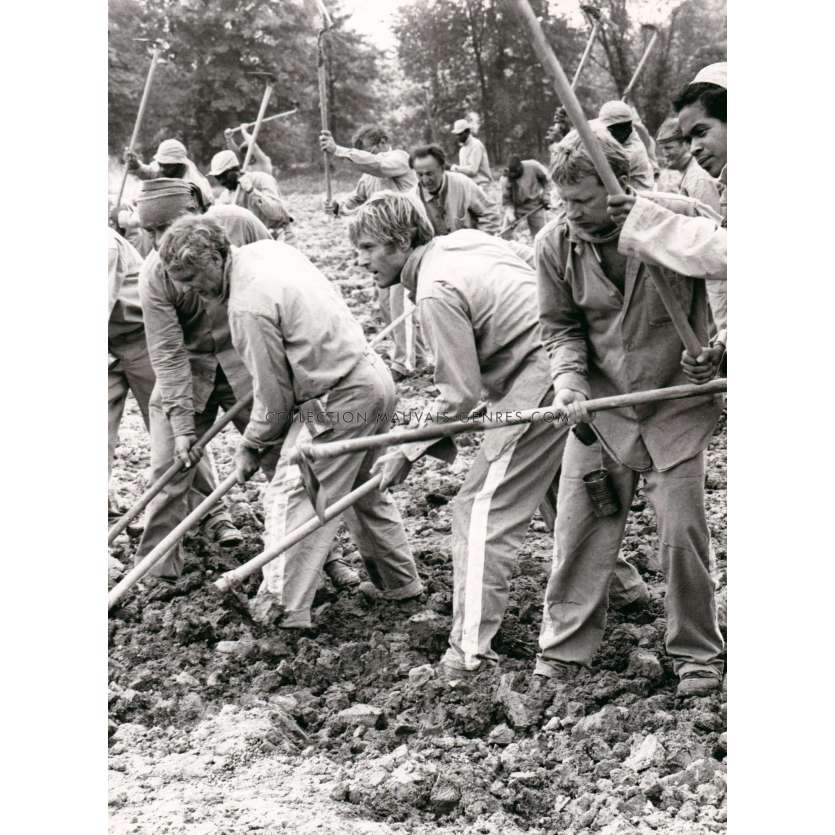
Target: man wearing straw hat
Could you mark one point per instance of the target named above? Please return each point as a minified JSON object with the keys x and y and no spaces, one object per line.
{"x":607,"y":332}
{"x":477,"y":302}
{"x":472,"y":155}
{"x":314,"y":375}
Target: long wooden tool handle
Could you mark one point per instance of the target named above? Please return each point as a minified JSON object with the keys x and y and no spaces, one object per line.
{"x":138,"y":123}
{"x":154,"y":556}
{"x":322,"y":70}
{"x":640,"y":66}
{"x":391,"y":326}
{"x":426,"y":433}
{"x":601,"y":164}
{"x":142,"y":502}
{"x":503,"y":232}
{"x":265,"y":100}
{"x":236,"y":575}
{"x":269,"y":118}
{"x":586,"y":53}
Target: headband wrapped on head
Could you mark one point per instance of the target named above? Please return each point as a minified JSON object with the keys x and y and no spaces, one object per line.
{"x":163,"y":200}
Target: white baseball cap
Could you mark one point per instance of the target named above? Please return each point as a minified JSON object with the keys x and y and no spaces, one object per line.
{"x":461,"y":125}
{"x":614,"y":112}
{"x":223,"y":161}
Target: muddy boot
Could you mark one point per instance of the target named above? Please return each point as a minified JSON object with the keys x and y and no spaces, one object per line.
{"x":226,"y":534}
{"x":698,"y":683}
{"x":545,"y":688}
{"x":341,"y":574}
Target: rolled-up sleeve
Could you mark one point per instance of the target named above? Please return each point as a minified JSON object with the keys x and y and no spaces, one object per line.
{"x":696,"y":247}
{"x":562,"y":324}
{"x":168,"y":353}
{"x":260,"y":344}
{"x":394,"y":163}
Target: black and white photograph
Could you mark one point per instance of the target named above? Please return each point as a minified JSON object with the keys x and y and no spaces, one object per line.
{"x":418,"y":417}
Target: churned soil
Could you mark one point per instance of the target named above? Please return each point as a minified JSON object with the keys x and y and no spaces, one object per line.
{"x":219,"y":725}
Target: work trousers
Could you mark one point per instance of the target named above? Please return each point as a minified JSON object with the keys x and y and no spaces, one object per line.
{"x":490,"y":519}
{"x":410,"y":352}
{"x":191,"y":486}
{"x":129,"y":369}
{"x":359,"y":405}
{"x":586,"y":548}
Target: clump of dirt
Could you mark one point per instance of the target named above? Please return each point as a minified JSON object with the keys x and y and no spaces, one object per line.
{"x":210,"y":712}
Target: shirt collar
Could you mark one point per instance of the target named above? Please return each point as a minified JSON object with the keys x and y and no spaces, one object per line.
{"x":410,"y":272}
{"x":440,"y":195}
{"x":227,"y":270}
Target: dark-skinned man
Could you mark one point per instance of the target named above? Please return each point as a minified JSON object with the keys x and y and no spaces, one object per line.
{"x":472,"y":155}
{"x":526,"y":191}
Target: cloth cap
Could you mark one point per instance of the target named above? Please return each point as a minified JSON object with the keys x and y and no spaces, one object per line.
{"x":170,"y":151}
{"x":223,"y":161}
{"x":614,"y":112}
{"x":163,"y":200}
{"x":713,"y":74}
{"x":461,"y":125}
{"x":669,"y":129}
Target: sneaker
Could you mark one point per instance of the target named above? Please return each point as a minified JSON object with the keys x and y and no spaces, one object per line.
{"x":698,"y":683}
{"x":226,"y":535}
{"x":341,"y":574}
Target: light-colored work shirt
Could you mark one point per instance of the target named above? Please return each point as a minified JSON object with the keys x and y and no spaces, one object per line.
{"x":292,"y":329}
{"x":188,"y":338}
{"x":641,"y":173}
{"x":529,"y":192}
{"x":124,"y":310}
{"x":386,"y":171}
{"x":473,"y":162}
{"x":477,"y":306}
{"x":460,"y":204}
{"x":264,"y":201}
{"x":602,"y":342}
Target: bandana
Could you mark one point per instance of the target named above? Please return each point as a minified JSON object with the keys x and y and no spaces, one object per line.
{"x":163,"y":200}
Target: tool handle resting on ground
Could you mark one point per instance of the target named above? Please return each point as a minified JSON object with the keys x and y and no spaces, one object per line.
{"x":142,"y":502}
{"x":138,"y":123}
{"x":601,"y":164}
{"x":237,"y":575}
{"x":153,"y":557}
{"x":313,"y":451}
{"x":265,"y":100}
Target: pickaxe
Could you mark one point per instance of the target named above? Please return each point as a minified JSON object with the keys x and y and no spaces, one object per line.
{"x":139,"y":116}
{"x":270,"y":118}
{"x":640,"y":67}
{"x":594,"y":14}
{"x":508,"y":229}
{"x":322,"y":71}
{"x":304,"y":454}
{"x":268,"y":91}
{"x":601,"y":164}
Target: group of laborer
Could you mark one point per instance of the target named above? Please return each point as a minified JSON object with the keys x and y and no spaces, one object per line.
{"x":219,"y":310}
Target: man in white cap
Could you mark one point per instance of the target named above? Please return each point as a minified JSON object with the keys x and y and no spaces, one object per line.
{"x":171,"y":160}
{"x":383,"y":169}
{"x":314,"y":375}
{"x":472,"y":155}
{"x":254,"y":190}
{"x":617,"y":117}
{"x":685,"y":240}
{"x":477,"y":302}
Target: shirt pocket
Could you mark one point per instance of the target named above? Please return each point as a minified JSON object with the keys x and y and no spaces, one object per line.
{"x":656,"y":309}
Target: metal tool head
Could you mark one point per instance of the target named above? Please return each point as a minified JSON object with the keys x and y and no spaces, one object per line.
{"x":591,"y":11}
{"x":311,"y":484}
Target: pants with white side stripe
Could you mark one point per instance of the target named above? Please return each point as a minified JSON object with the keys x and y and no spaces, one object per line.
{"x":361,"y":405}
{"x":491,"y":515}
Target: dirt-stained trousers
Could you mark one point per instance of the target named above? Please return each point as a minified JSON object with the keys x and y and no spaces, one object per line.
{"x":586,"y":548}
{"x":362,"y":404}
{"x":490,"y":518}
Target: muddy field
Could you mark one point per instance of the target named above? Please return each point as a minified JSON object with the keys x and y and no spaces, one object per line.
{"x":218,"y":726}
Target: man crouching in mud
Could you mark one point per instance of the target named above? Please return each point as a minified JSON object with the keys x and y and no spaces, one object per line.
{"x":312,"y":373}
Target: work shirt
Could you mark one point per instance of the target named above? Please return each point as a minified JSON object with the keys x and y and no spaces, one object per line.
{"x":124,"y":311}
{"x":188,"y":337}
{"x":460,"y":204}
{"x":641,"y":173}
{"x":603,"y":342}
{"x":478,"y":310}
{"x":192,"y":175}
{"x":698,"y":184}
{"x":294,"y":332}
{"x":529,"y":192}
{"x":264,"y":201}
{"x":386,"y":171}
{"x":473,"y":162}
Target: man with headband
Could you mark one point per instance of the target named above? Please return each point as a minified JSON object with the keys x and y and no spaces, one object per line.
{"x":314,"y":376}
{"x":607,"y":332}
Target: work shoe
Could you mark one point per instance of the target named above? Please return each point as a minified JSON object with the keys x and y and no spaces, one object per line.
{"x":698,"y":683}
{"x":341,"y":574}
{"x":226,"y":535}
{"x":543,"y":689}
{"x":134,"y":529}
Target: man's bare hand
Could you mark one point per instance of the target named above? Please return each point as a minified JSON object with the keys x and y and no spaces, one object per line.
{"x":573,"y":405}
{"x":186,"y":450}
{"x":702,"y":369}
{"x":395,"y":468}
{"x":620,"y":205}
{"x":326,"y":142}
{"x":247,"y":461}
{"x":332,"y":207}
{"x":131,"y":159}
